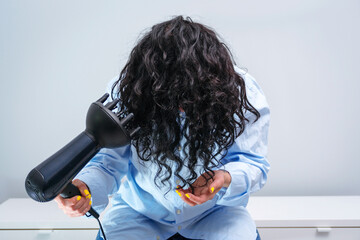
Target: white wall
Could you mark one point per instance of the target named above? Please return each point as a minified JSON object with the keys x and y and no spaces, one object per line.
{"x":57,"y":56}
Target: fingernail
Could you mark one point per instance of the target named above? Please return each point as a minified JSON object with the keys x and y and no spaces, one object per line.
{"x":88,"y":196}
{"x":177,"y":191}
{"x":90,"y":202}
{"x":86,"y":192}
{"x":78,"y":198}
{"x":178,"y":186}
{"x":187,"y":195}
{"x":212,"y":189}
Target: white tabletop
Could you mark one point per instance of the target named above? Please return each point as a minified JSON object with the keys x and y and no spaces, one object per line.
{"x":309,"y":211}
{"x":329,"y":211}
{"x":25,"y":213}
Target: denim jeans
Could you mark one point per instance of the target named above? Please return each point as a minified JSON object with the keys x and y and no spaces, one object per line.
{"x":177,"y":237}
{"x":258,"y":235}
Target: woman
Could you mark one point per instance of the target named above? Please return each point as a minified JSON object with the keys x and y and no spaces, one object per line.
{"x":201,"y":149}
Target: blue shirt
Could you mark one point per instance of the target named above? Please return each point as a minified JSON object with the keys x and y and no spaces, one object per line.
{"x":141,"y":210}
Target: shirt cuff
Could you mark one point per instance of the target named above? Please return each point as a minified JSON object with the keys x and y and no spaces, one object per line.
{"x":99,"y":194}
{"x":238,"y":192}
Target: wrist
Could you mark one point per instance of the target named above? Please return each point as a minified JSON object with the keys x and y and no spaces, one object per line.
{"x":227,"y":178}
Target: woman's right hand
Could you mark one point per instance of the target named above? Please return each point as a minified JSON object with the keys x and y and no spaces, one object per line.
{"x":78,"y":205}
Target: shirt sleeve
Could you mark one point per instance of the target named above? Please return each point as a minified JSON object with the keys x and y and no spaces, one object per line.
{"x":103,"y":174}
{"x":246,"y":159}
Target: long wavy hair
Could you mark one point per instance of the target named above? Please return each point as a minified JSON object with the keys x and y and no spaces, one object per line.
{"x":180,"y":65}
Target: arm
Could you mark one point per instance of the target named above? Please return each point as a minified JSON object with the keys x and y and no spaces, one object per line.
{"x":103,"y":174}
{"x":246,"y":159}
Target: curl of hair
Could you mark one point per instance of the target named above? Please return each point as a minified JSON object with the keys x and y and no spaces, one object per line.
{"x":183,"y":64}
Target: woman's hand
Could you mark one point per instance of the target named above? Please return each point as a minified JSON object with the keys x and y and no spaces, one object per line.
{"x":205,"y":191}
{"x":78,"y":205}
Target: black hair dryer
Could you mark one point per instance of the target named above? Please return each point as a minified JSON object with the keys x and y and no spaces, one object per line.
{"x":54,"y":175}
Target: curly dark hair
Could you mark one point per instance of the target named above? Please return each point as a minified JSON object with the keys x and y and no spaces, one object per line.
{"x":180,"y":65}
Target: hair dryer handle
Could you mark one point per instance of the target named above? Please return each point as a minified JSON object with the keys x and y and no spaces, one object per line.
{"x":70,"y":191}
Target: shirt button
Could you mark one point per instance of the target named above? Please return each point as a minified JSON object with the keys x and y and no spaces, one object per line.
{"x":178,"y":211}
{"x":178,"y":182}
{"x":179,"y":227}
{"x":179,"y":148}
{"x":157,"y":237}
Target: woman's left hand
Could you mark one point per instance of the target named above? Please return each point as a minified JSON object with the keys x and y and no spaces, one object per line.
{"x":205,"y":191}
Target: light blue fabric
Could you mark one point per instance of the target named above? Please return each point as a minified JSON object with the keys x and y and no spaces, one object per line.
{"x":140,"y":210}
